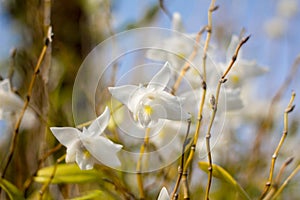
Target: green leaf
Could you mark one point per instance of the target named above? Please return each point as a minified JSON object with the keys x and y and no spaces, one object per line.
{"x":222,"y":174}
{"x":94,"y":194}
{"x":67,"y":173}
{"x":12,"y":191}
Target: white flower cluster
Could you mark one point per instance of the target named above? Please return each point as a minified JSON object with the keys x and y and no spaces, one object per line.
{"x":277,"y":26}
{"x":149,"y":104}
{"x":10,"y":107}
{"x":176,"y":51}
{"x":89,"y":146}
{"x":152,"y":104}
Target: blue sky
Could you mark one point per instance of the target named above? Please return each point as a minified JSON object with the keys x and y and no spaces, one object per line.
{"x":8,"y":37}
{"x":277,"y":54}
{"x":250,"y":14}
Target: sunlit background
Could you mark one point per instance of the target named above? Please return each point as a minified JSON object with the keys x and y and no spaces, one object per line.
{"x":79,"y":26}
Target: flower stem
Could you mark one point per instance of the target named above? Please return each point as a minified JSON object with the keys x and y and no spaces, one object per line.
{"x":139,"y":164}
{"x":208,"y":28}
{"x":278,"y":178}
{"x":288,"y":109}
{"x":215,"y":107}
{"x":268,"y":120}
{"x":26,"y":103}
{"x":204,"y":87}
{"x":29,"y":181}
{"x":45,"y":186}
{"x":186,"y":65}
{"x":180,"y":168}
{"x":286,"y":181}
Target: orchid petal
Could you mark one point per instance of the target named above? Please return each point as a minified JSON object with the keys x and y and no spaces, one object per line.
{"x":66,"y":135}
{"x":98,"y":126}
{"x":167,"y":106}
{"x":233,"y":100}
{"x":161,"y":79}
{"x":231,"y":48}
{"x":5,"y":85}
{"x":72,"y":150}
{"x":104,"y":150}
{"x":84,"y":160}
{"x":163,"y":195}
{"x":177,"y":22}
{"x":29,"y":119}
{"x":136,"y":99}
{"x":157,"y":54}
{"x":123,"y":94}
{"x":250,"y":68}
{"x":10,"y":101}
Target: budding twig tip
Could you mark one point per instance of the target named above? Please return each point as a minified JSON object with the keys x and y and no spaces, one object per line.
{"x":248,"y":37}
{"x":289,"y":160}
{"x":291,"y":108}
{"x":214,"y":8}
{"x":13,"y":52}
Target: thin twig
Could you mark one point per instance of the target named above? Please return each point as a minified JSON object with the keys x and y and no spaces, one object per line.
{"x":286,"y":182}
{"x":204,"y":87}
{"x":108,"y":20}
{"x":46,"y":185}
{"x":279,"y":175}
{"x":270,"y":115}
{"x":186,"y":193}
{"x":214,"y":102}
{"x":139,"y":164}
{"x":288,"y":109}
{"x":287,"y":81}
{"x":180,"y":168}
{"x":26,"y":103}
{"x":195,"y":138}
{"x":116,"y":181}
{"x":164,"y":9}
{"x":278,"y":178}
{"x":186,"y":65}
{"x":11,"y":70}
{"x":120,"y":188}
{"x":84,"y":124}
{"x":29,"y":181}
{"x":234,"y":57}
{"x":212,"y":8}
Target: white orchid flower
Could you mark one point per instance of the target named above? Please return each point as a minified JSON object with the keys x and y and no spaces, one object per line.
{"x":151,"y":103}
{"x":177,"y":24}
{"x":276,"y":27}
{"x":163,"y":195}
{"x":11,"y":104}
{"x":242,"y":69}
{"x":233,"y":99}
{"x":177,"y":50}
{"x":174,"y":49}
{"x":89,"y":146}
{"x":288,"y":8}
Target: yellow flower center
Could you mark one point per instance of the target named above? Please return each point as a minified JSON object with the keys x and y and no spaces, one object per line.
{"x":235,"y":79}
{"x":86,"y":154}
{"x":148,"y":110}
